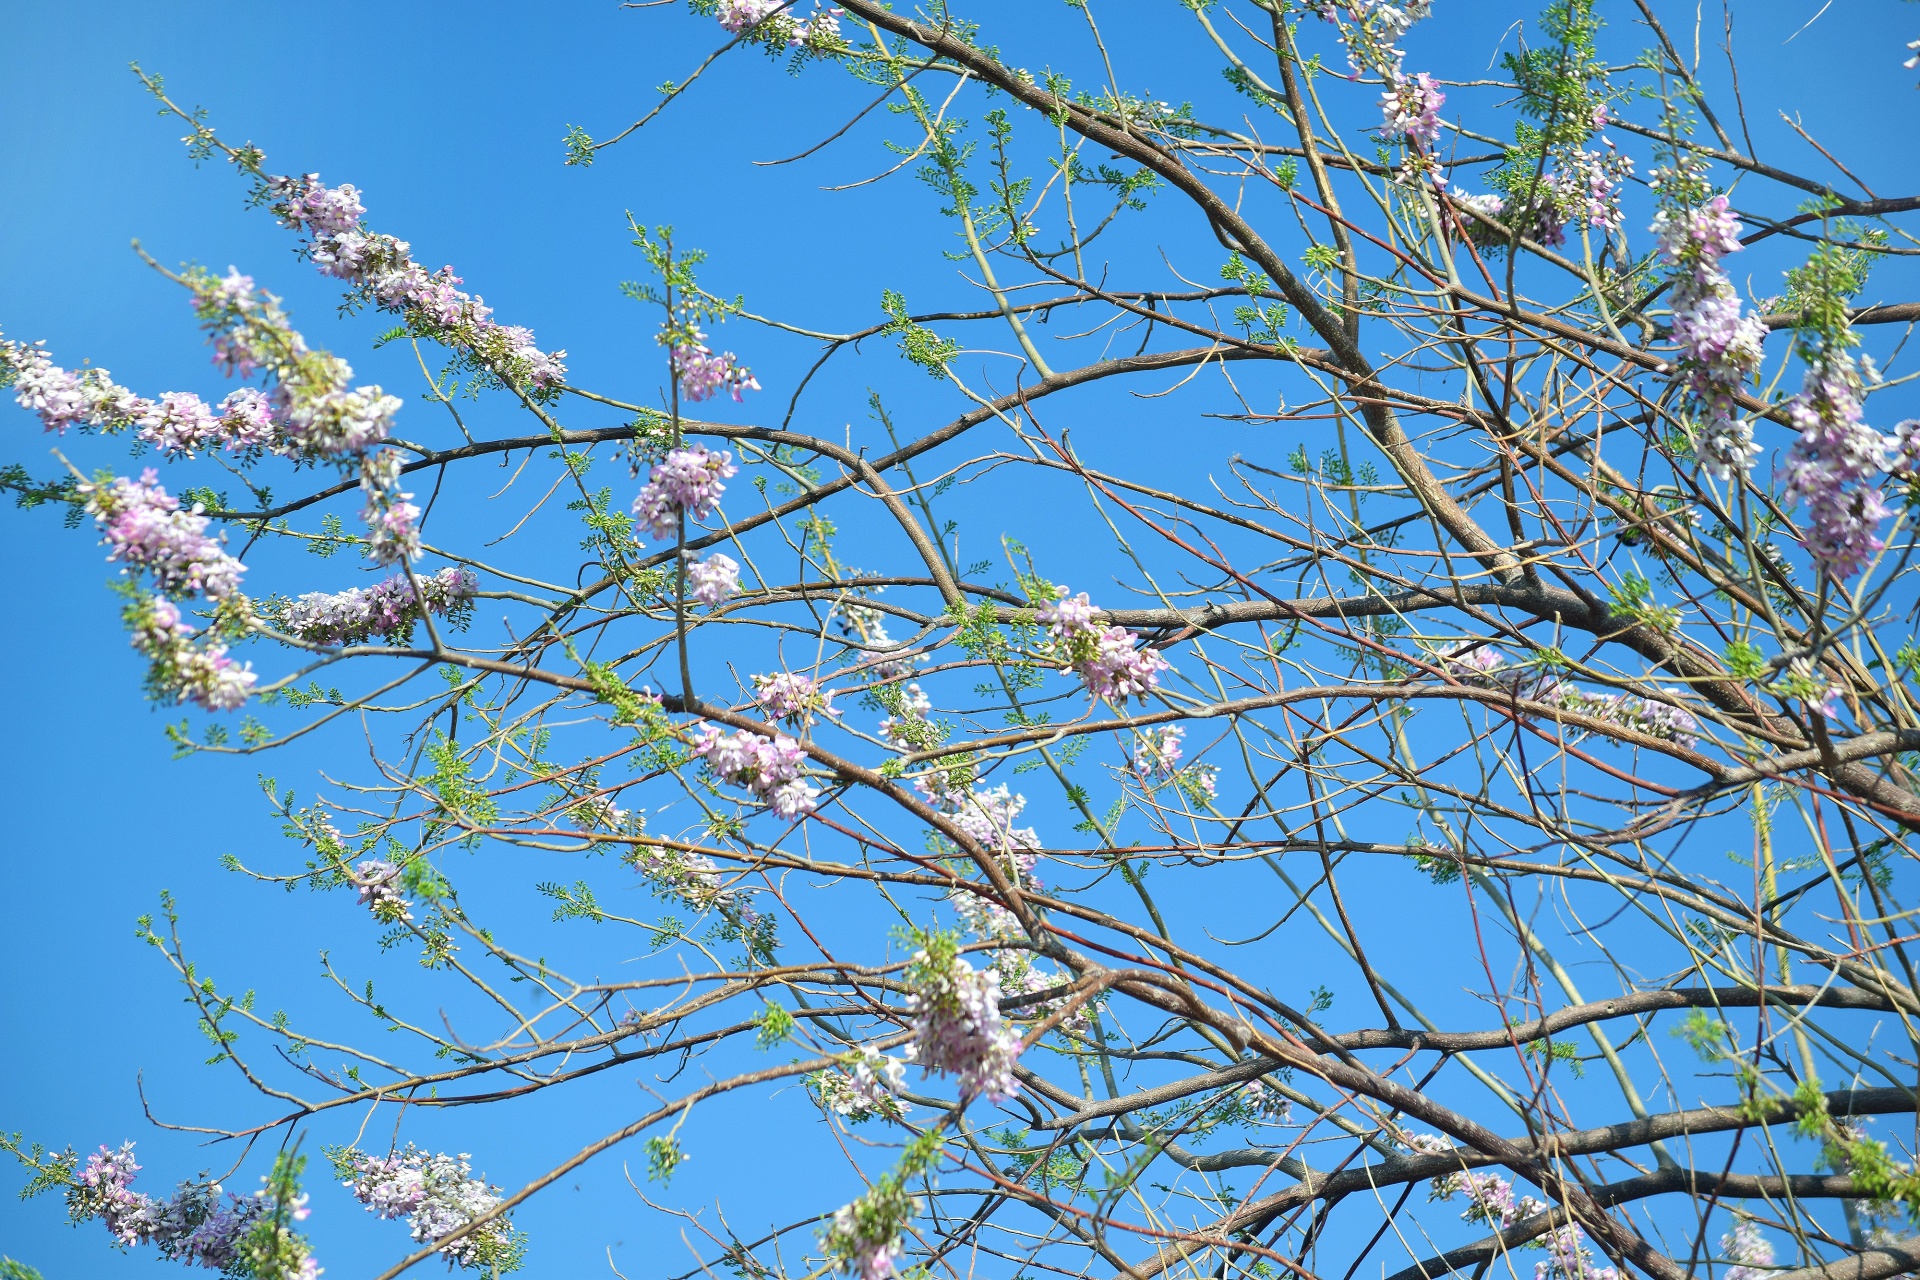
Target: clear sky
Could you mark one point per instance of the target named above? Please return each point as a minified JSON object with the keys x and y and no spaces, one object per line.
{"x":449,"y":119}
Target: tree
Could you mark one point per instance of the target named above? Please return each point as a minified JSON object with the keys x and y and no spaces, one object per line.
{"x":1481,"y":679}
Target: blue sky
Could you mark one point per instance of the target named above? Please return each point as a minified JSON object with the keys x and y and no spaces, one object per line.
{"x":449,"y":119}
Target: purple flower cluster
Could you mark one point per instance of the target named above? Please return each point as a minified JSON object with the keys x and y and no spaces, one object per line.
{"x":957,"y":1028}
{"x":63,"y":398}
{"x":792,"y":698}
{"x":1410,"y":109}
{"x":867,"y":1086}
{"x":1720,"y":349}
{"x":383,"y":268}
{"x":1750,"y":1252}
{"x":714,"y":580}
{"x":1836,"y":464}
{"x":387,"y":610}
{"x":195,"y":1227}
{"x":147,"y":530}
{"x":436,"y":1194}
{"x":391,"y":533}
{"x":868,"y":1244}
{"x":688,"y":875}
{"x":768,"y":767}
{"x":378,"y":882}
{"x":1490,"y":1197}
{"x":820,"y":29}
{"x":1568,"y":1258}
{"x":1105,"y":657}
{"x":703,"y":374}
{"x":1157,"y":755}
{"x":687,"y":480}
{"x":202,"y":675}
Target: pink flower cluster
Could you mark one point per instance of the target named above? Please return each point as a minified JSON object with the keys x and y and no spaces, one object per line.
{"x":195,"y":1227}
{"x":768,"y":767}
{"x":1156,"y":755}
{"x":387,"y":610}
{"x":378,"y":882}
{"x":383,"y":267}
{"x":1410,"y":109}
{"x":202,"y":675}
{"x":147,"y":530}
{"x":390,"y":518}
{"x":868,"y":1086}
{"x":436,"y":1194}
{"x":1568,"y":1258}
{"x":1750,"y":1252}
{"x":1720,"y":349}
{"x":957,"y":1028}
{"x":687,"y":480}
{"x":63,"y":398}
{"x":1490,"y":1197}
{"x":1836,"y":464}
{"x":819,"y":29}
{"x":1105,"y":657}
{"x":714,"y":580}
{"x":868,"y":1244}
{"x":792,"y":698}
{"x":703,"y":374}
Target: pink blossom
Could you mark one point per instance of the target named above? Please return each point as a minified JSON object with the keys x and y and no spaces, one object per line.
{"x":957,"y":1028}
{"x":702,"y":374}
{"x":1410,"y":109}
{"x":387,"y":610}
{"x":790,"y":697}
{"x":687,"y":480}
{"x":1836,"y":465}
{"x":770,"y":768}
{"x":1720,"y":349}
{"x":181,"y":670}
{"x":147,"y":530}
{"x":63,"y":398}
{"x":181,"y":423}
{"x":376,"y":878}
{"x":714,"y":580}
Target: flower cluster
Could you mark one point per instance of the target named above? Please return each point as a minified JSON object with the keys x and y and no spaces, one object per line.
{"x":1371,"y":29}
{"x":1720,"y":349}
{"x":383,"y":270}
{"x":908,"y":728}
{"x":437,"y":1195}
{"x":195,"y":1226}
{"x":1410,"y":109}
{"x":201,"y":674}
{"x":792,"y":698}
{"x":703,"y":374}
{"x":390,"y":517}
{"x":1569,"y":1259}
{"x":692,"y":877}
{"x":866,"y":1235}
{"x":866,"y":627}
{"x":147,"y":530}
{"x":1157,"y":755}
{"x":62,"y":397}
{"x":1749,"y":1251}
{"x":1837,"y":462}
{"x":1266,"y":1104}
{"x":714,"y":580}
{"x":957,"y":1028}
{"x":819,"y":30}
{"x":1490,"y":1197}
{"x":387,"y":610}
{"x":379,"y":883}
{"x":768,"y":767}
{"x":687,"y":480}
{"x":311,"y":412}
{"x":600,"y":813}
{"x":1104,"y":657}
{"x":1642,"y":715}
{"x":863,"y":1087}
